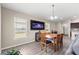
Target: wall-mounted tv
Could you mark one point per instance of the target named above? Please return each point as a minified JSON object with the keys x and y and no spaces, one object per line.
{"x":37,"y":25}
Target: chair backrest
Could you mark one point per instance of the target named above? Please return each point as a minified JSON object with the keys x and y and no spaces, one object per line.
{"x":42,"y":37}
{"x":60,"y":37}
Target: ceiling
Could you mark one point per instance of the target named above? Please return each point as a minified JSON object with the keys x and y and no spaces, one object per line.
{"x":63,"y":10}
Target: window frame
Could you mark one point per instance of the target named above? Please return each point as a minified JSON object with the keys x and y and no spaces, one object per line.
{"x":15,"y":18}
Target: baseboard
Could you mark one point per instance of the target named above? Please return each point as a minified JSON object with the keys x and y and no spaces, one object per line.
{"x":16,"y":45}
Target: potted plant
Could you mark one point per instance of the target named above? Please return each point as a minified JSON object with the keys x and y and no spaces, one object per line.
{"x":13,"y":52}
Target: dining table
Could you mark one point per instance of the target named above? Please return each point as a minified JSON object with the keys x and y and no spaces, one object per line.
{"x":51,"y":35}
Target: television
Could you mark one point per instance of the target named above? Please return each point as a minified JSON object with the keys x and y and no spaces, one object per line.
{"x":37,"y":25}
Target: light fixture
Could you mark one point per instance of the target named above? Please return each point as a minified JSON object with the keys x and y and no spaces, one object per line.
{"x":53,"y":16}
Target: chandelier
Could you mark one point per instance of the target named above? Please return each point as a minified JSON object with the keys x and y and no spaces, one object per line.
{"x":53,"y":13}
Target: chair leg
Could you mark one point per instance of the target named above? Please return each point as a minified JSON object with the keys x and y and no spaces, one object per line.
{"x":46,"y":48}
{"x":41,"y":46}
{"x":55,"y":48}
{"x":61,"y":45}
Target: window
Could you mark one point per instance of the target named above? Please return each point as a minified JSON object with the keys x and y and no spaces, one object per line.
{"x":20,"y":27}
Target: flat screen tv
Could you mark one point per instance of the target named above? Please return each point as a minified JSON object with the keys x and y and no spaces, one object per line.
{"x":37,"y":25}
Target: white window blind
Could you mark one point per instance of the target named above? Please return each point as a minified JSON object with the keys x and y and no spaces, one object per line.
{"x":20,"y":26}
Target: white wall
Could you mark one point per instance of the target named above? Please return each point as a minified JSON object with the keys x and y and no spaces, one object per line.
{"x":75,"y":20}
{"x":8,"y":28}
{"x":0,"y":28}
{"x":74,"y":31}
{"x":59,"y":27}
{"x":53,"y":26}
{"x":66,"y":25}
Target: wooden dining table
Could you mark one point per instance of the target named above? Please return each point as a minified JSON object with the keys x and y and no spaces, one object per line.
{"x":51,"y":35}
{"x":54,"y":39}
{"x":49,"y":38}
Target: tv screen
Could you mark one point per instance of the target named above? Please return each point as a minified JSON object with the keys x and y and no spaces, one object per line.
{"x":37,"y":25}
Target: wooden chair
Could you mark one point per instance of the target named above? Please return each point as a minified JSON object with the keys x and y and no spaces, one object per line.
{"x":59,"y":41}
{"x":55,"y":44}
{"x":43,"y":41}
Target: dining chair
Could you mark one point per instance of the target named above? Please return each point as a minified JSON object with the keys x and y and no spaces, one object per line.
{"x":59,"y":42}
{"x":44,"y":43}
